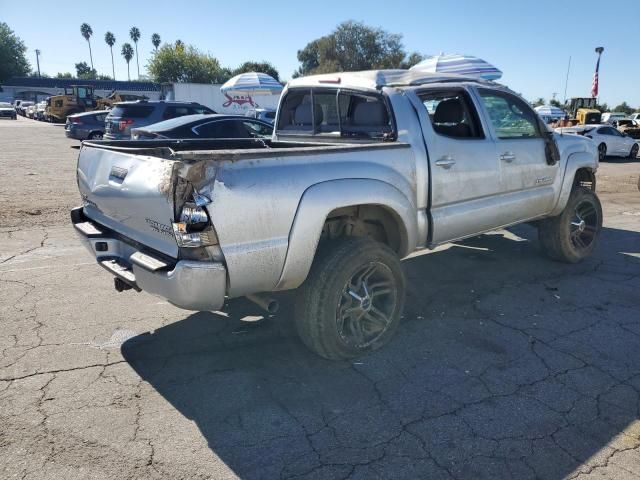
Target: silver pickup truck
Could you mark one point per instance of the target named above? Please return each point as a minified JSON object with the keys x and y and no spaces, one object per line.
{"x":363,"y":169}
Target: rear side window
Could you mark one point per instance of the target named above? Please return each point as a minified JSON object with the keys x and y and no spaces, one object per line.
{"x":335,"y":112}
{"x":223,"y":129}
{"x":199,"y":109}
{"x":174,"y":112}
{"x":132,"y":111}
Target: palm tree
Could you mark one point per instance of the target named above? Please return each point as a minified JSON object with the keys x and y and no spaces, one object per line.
{"x":127,"y":53}
{"x":155,"y":39}
{"x":111,"y":41}
{"x":85,"y":30}
{"x":134,"y":33}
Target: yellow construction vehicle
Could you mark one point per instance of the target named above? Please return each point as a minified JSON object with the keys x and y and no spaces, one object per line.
{"x":76,"y":99}
{"x":115,"y":97}
{"x":583,"y":111}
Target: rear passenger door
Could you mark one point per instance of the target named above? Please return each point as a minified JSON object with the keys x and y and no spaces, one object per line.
{"x":465,"y":170}
{"x":528,"y":179}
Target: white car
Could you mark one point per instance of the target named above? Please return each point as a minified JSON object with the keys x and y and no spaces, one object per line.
{"x":635,"y":116}
{"x":609,"y":140}
{"x":610,"y":117}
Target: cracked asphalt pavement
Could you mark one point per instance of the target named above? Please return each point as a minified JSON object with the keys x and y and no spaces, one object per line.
{"x":506,"y":365}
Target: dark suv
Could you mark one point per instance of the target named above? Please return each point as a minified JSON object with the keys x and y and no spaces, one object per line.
{"x":127,"y":115}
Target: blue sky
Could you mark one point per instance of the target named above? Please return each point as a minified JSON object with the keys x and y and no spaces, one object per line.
{"x":530,"y":41}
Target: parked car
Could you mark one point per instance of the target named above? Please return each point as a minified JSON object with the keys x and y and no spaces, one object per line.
{"x":86,"y":125}
{"x":8,"y":111}
{"x":635,"y":116}
{"x":610,"y":117}
{"x":205,"y":126}
{"x":127,"y":115}
{"x":609,"y":140}
{"x":30,"y":111}
{"x":40,"y":110}
{"x":628,"y":127}
{"x":264,"y":114}
{"x":363,"y":169}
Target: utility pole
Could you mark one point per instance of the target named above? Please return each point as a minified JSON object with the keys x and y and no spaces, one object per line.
{"x":566,"y":81}
{"x":38,"y":61}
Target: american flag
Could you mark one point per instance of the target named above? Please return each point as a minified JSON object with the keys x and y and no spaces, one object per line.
{"x":594,"y":84}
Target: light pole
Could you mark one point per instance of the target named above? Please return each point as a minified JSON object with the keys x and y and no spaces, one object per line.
{"x":38,"y":61}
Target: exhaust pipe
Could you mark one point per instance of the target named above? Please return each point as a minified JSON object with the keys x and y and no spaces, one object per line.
{"x":271,"y":305}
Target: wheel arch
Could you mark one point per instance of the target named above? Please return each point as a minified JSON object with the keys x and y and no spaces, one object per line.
{"x":580,"y":171}
{"x":371,"y":202}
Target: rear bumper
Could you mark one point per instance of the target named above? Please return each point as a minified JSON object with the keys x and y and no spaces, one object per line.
{"x":188,"y":284}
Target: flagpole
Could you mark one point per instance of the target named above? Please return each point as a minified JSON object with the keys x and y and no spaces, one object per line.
{"x":566,"y":81}
{"x":599,"y":51}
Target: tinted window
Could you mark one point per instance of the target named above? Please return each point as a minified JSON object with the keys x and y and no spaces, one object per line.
{"x":452,"y":114}
{"x":199,"y":109}
{"x":174,"y":112}
{"x":223,"y":129}
{"x":132,"y":111}
{"x":364,"y":116}
{"x":296,"y":112}
{"x":257,"y":130}
{"x":510,"y":116}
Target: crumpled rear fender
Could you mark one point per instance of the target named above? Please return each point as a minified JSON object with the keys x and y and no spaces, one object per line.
{"x":316,"y":204}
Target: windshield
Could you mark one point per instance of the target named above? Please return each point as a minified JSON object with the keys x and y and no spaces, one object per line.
{"x":5,"y":105}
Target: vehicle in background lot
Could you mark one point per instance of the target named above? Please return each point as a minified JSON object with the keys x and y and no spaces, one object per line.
{"x":30,"y":111}
{"x":40,"y":111}
{"x":610,"y":117}
{"x":264,"y":114}
{"x":76,"y":99}
{"x":635,"y":116}
{"x":8,"y":111}
{"x":109,"y":101}
{"x":205,"y":126}
{"x":363,"y":169}
{"x":608,"y":140}
{"x":127,"y":115}
{"x":22,"y":108}
{"x":629,"y":127}
{"x":87,"y":125}
{"x":583,"y":111}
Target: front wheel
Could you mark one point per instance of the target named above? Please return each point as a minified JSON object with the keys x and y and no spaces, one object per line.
{"x":351,"y":302}
{"x":95,"y":136}
{"x":634,"y":151}
{"x":571,"y":236}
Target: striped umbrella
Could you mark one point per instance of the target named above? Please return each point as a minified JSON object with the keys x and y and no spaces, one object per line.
{"x":549,"y":111}
{"x":252,"y":82}
{"x":460,"y":64}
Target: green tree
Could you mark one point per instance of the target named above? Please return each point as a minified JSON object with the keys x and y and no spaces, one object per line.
{"x":539,"y":102}
{"x":412,"y":59}
{"x":353,"y":46}
{"x":263,"y":67}
{"x":86,"y":31}
{"x":127,"y":53}
{"x":155,"y":40}
{"x":624,"y":107}
{"x":110,"y":40}
{"x":556,"y":103}
{"x":85,"y":72}
{"x":64,"y":75}
{"x":185,"y":63}
{"x":13,"y":59}
{"x":134,"y":33}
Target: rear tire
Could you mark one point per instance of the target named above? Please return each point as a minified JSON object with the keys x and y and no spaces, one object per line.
{"x":634,"y":151}
{"x":351,"y":302}
{"x":95,"y":136}
{"x":602,"y":152}
{"x":572,"y":236}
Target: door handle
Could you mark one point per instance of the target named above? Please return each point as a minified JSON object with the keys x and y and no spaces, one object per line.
{"x":446,"y":162}
{"x":507,"y":157}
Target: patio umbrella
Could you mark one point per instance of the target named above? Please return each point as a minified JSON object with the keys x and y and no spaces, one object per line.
{"x":460,"y":64}
{"x":252,"y":83}
{"x":550,"y":111}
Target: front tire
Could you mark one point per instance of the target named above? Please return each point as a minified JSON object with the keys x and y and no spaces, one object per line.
{"x":634,"y":151}
{"x":95,"y":136}
{"x":351,"y":302}
{"x":572,"y":236}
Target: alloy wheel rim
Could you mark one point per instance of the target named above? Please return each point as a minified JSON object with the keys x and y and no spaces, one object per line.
{"x":584,"y":225}
{"x":366,"y":305}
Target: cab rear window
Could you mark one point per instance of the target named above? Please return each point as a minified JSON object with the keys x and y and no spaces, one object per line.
{"x":132,"y":111}
{"x":334,"y":112}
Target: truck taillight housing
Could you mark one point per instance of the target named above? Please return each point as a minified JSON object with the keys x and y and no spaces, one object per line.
{"x":75,"y":121}
{"x":123,"y":124}
{"x":194,"y":228}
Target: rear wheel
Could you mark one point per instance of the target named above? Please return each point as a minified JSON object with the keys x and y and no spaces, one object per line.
{"x":634,"y":151}
{"x":602,"y":151}
{"x":352,"y":299}
{"x":571,"y":236}
{"x":95,"y":136}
